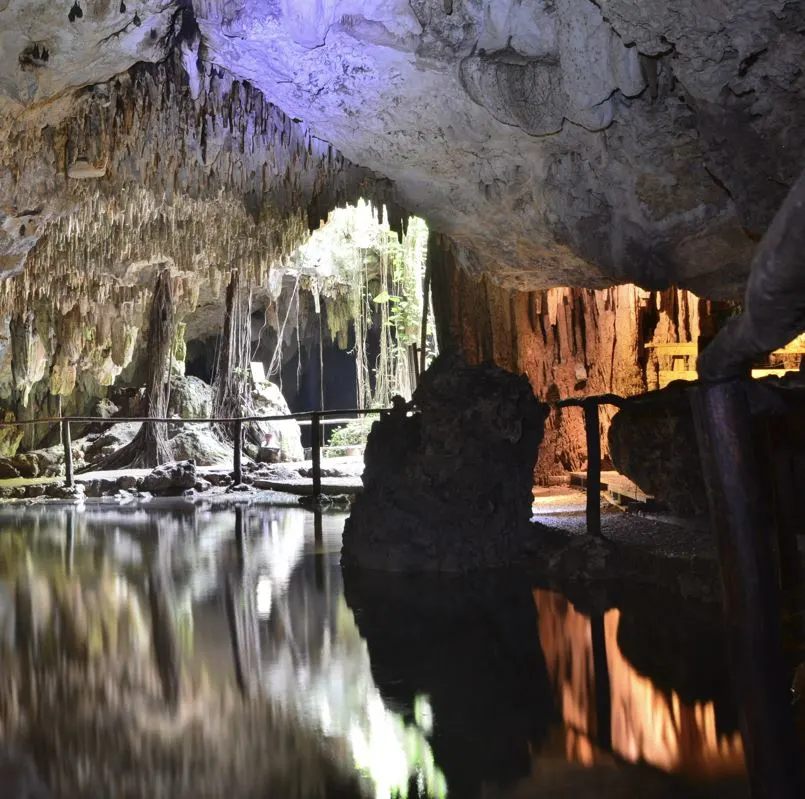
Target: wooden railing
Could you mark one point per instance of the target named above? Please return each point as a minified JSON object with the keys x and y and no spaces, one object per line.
{"x":592,"y":430}
{"x":316,"y":419}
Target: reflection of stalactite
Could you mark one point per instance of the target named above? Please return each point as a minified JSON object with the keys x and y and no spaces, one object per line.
{"x":241,"y":611}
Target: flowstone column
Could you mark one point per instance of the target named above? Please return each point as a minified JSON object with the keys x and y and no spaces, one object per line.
{"x":448,"y":480}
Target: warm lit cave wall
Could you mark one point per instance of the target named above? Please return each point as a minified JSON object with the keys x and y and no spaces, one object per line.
{"x":570,"y":342}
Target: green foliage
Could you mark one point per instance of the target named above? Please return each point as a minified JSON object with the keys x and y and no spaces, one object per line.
{"x":351,"y":435}
{"x":365,"y":277}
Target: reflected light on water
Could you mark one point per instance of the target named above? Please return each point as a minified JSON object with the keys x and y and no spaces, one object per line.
{"x":648,"y":724}
{"x":264,"y":589}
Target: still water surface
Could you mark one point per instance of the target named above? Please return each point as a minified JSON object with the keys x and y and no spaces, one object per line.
{"x":438,"y":688}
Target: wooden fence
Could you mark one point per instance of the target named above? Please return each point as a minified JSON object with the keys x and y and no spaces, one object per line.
{"x":316,"y":419}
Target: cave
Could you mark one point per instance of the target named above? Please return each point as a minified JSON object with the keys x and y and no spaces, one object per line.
{"x":414,"y":387}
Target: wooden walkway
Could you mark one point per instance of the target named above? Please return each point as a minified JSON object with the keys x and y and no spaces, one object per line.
{"x":619,"y":487}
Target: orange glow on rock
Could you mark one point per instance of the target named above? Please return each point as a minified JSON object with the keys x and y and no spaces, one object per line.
{"x":648,"y":724}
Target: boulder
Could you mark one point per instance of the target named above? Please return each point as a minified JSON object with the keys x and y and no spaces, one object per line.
{"x":75,"y":493}
{"x":653,"y":442}
{"x":190,"y":397}
{"x":198,"y":444}
{"x":110,"y":440}
{"x":7,"y":470}
{"x":171,"y":478}
{"x":101,"y":487}
{"x":448,"y":480}
{"x":267,"y":400}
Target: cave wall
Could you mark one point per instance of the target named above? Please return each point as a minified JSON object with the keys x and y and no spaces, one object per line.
{"x":569,"y":342}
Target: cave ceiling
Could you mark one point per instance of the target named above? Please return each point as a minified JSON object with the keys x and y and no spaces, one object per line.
{"x":555,"y":142}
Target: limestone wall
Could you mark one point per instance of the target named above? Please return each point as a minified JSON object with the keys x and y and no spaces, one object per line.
{"x":570,"y":342}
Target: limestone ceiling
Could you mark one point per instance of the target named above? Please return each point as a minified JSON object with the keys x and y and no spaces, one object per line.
{"x":555,"y":141}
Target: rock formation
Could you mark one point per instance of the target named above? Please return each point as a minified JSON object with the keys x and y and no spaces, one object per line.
{"x":447,"y":487}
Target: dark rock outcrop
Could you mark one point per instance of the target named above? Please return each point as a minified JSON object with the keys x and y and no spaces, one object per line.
{"x":448,"y":482}
{"x":652,"y":440}
{"x":19,"y":778}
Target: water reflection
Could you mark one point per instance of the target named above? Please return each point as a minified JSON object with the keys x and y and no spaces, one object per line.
{"x":265,"y":587}
{"x":437,"y":683}
{"x":645,"y":724}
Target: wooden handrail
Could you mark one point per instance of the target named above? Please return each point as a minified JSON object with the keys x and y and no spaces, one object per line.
{"x":180,"y":420}
{"x":317,"y":419}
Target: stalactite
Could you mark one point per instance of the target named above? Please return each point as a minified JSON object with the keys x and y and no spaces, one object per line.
{"x":183,"y":200}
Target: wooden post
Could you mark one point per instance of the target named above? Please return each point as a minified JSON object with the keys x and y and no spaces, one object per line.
{"x":751,"y":592}
{"x":237,"y":471}
{"x":593,"y":432}
{"x":315,"y":443}
{"x":68,"y":453}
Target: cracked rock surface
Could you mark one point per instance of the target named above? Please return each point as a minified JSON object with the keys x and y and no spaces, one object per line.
{"x":556,"y":142}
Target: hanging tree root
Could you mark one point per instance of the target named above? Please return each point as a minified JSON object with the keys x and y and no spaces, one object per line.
{"x":149,"y":448}
{"x":230,"y":395}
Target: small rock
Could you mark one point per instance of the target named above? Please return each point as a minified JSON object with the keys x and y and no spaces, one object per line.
{"x":101,"y":487}
{"x":7,"y":470}
{"x":59,"y":491}
{"x":26,"y":465}
{"x":171,"y":478}
{"x":127,"y":482}
{"x":278,"y":472}
{"x":202,"y":485}
{"x":219,"y":478}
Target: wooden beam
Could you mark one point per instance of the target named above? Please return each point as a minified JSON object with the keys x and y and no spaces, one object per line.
{"x":686,"y":349}
{"x":593,"y":431}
